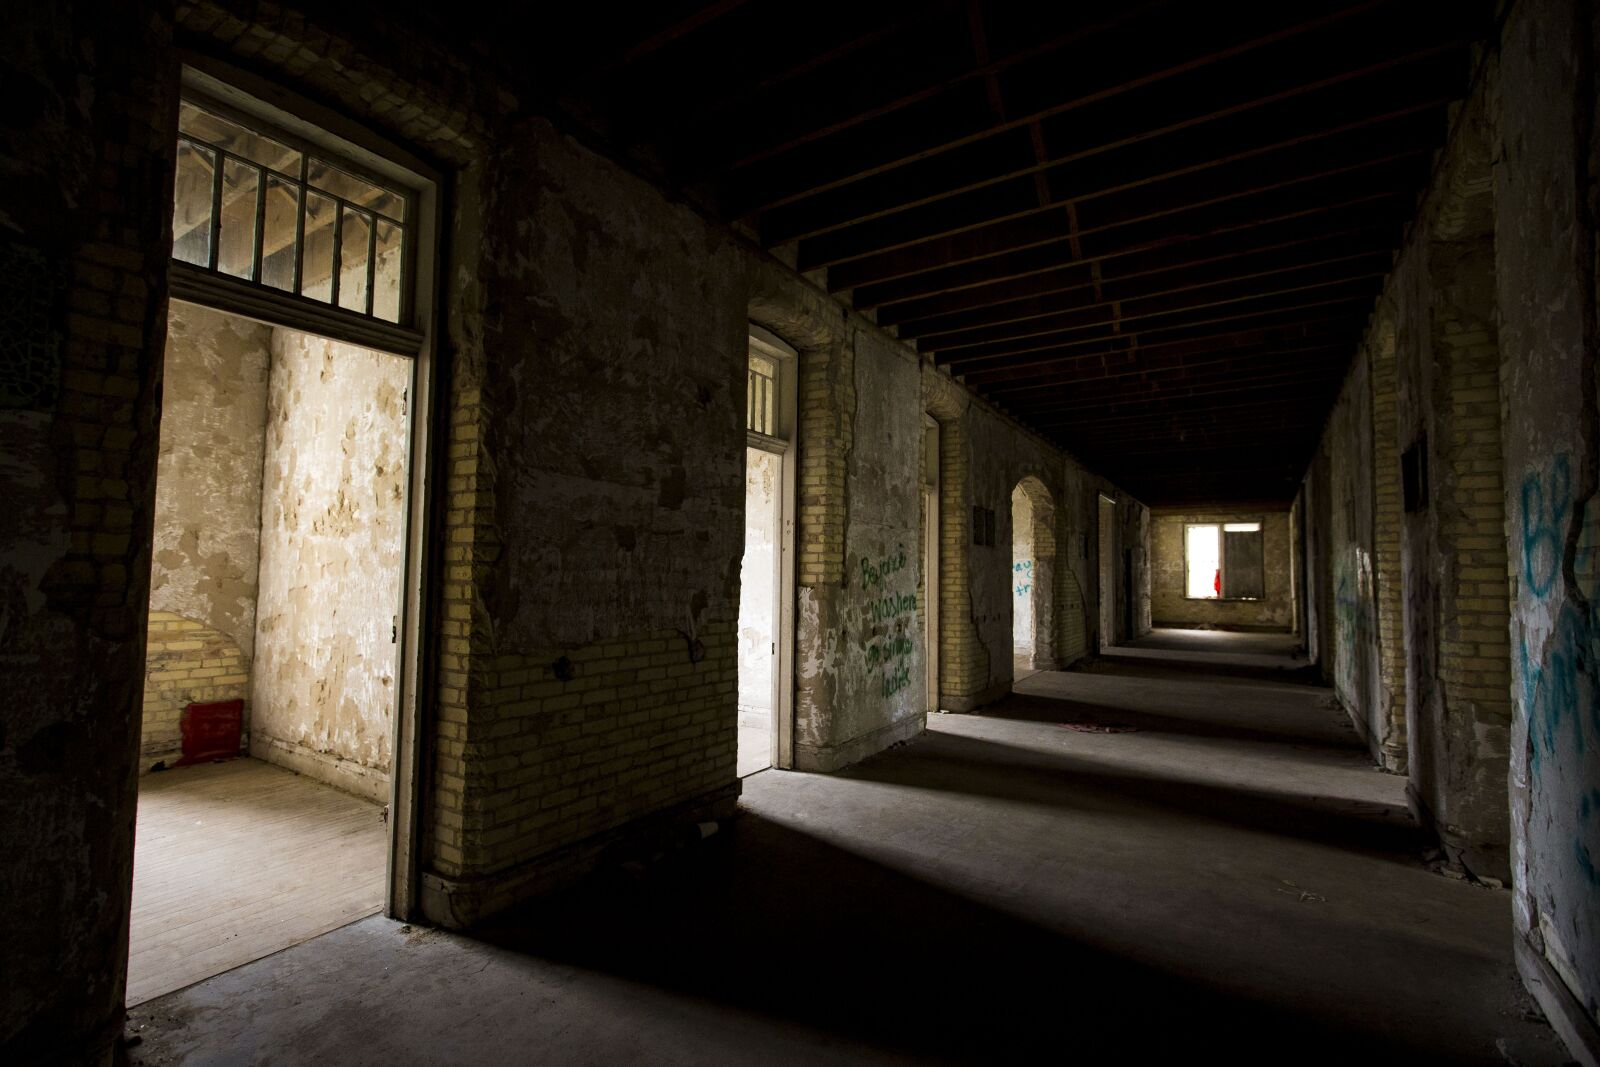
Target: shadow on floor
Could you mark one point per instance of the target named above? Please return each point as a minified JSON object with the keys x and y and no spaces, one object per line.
{"x":980,"y":767}
{"x":780,"y":923}
{"x":1041,"y":707}
{"x":1217,"y":653}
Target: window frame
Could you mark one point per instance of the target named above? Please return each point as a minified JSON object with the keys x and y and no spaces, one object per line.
{"x":337,"y":142}
{"x":1222,"y":565}
{"x":785,"y":360}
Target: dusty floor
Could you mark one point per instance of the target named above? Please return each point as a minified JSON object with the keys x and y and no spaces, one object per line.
{"x":1204,"y":865}
{"x":237,"y":860}
{"x":755,"y":741}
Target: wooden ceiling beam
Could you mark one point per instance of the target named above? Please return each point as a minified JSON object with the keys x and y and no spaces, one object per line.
{"x":1218,"y":376}
{"x":1184,"y":245}
{"x":1284,"y":309}
{"x":1015,"y":304}
{"x":1339,"y":328}
{"x":883,"y":136}
{"x":1362,"y":192}
{"x":1129,"y":312}
{"x":1006,"y":392}
{"x":1024,"y":155}
{"x":1153,"y":183}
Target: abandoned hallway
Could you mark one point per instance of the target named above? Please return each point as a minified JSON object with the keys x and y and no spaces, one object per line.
{"x":741,"y":531}
{"x":1220,"y":874}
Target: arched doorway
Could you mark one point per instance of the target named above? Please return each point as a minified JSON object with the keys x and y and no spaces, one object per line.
{"x":1033,"y":553}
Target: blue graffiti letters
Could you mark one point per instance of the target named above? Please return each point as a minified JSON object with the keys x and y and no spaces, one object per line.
{"x":1544,"y":510}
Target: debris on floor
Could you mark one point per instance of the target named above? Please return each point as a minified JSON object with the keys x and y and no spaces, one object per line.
{"x":1305,"y":895}
{"x":1099,"y":727}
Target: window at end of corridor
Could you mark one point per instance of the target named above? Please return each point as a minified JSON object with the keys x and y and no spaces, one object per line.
{"x":1223,"y":561}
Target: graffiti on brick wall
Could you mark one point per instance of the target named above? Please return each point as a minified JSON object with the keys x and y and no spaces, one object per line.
{"x":1352,"y":600}
{"x":1546,"y":499}
{"x":1022,"y":576}
{"x":1560,"y":678}
{"x":891,"y":653}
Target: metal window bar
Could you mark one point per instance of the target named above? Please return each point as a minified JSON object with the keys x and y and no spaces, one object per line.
{"x":300,"y":227}
{"x":372,"y":258}
{"x":261,"y":223}
{"x":759,"y":402}
{"x":216,"y":209}
{"x":338,"y":251}
{"x":302,"y":182}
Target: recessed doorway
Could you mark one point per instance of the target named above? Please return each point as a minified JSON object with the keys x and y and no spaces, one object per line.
{"x":766,"y":573}
{"x":277,"y":750}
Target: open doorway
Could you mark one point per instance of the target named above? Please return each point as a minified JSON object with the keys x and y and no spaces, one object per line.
{"x":277,"y":755}
{"x":1033,"y":553}
{"x":766,"y":573}
{"x":1108,"y":572}
{"x":930,"y":558}
{"x":271,"y":670}
{"x":1022,"y":585}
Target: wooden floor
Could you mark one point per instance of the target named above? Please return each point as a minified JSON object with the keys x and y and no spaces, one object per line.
{"x":234,"y":861}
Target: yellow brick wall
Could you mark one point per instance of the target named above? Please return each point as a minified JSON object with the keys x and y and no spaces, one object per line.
{"x":1388,"y":515}
{"x":827,"y":428}
{"x":640,"y":722}
{"x":186,"y":662}
{"x":963,"y":660}
{"x":1475,"y":646}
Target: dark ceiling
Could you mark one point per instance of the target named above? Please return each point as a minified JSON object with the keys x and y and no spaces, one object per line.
{"x":1151,"y":232}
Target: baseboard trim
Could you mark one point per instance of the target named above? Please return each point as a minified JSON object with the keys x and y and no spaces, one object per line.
{"x":1567,"y":1016}
{"x":457,"y":903}
{"x":826,"y":759}
{"x":347,"y":775}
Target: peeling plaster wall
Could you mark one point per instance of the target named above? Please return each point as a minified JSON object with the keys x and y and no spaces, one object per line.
{"x":1351,"y":652}
{"x":620,"y":355}
{"x":208,"y":519}
{"x":1169,"y":605}
{"x":1454,"y":704}
{"x":1545,"y":249}
{"x":881,"y":681}
{"x":333,"y":524}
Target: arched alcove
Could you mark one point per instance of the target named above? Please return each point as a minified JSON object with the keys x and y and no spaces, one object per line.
{"x":1033,"y":548}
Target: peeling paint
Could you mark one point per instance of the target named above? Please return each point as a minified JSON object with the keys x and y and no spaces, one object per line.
{"x":332,"y":532}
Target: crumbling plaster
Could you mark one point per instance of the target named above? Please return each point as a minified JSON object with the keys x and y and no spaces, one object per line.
{"x":1351,"y":653}
{"x":206,"y":556}
{"x":1545,"y":249}
{"x":333,"y":526}
{"x":208,"y":480}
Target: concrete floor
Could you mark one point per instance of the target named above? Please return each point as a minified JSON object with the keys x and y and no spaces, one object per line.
{"x":234,"y":861}
{"x":1147,"y":859}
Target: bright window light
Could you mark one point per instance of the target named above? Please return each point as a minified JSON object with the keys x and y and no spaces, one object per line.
{"x":1204,"y":556}
{"x":1242,"y":527}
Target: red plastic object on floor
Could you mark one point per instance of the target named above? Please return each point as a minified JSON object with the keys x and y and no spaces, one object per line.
{"x":211,"y":731}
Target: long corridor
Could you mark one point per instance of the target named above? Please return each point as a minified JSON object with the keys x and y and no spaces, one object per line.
{"x":1182,"y":850}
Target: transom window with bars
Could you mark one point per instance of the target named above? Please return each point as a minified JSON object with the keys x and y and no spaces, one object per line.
{"x":761,"y":396}
{"x":254,"y":207}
